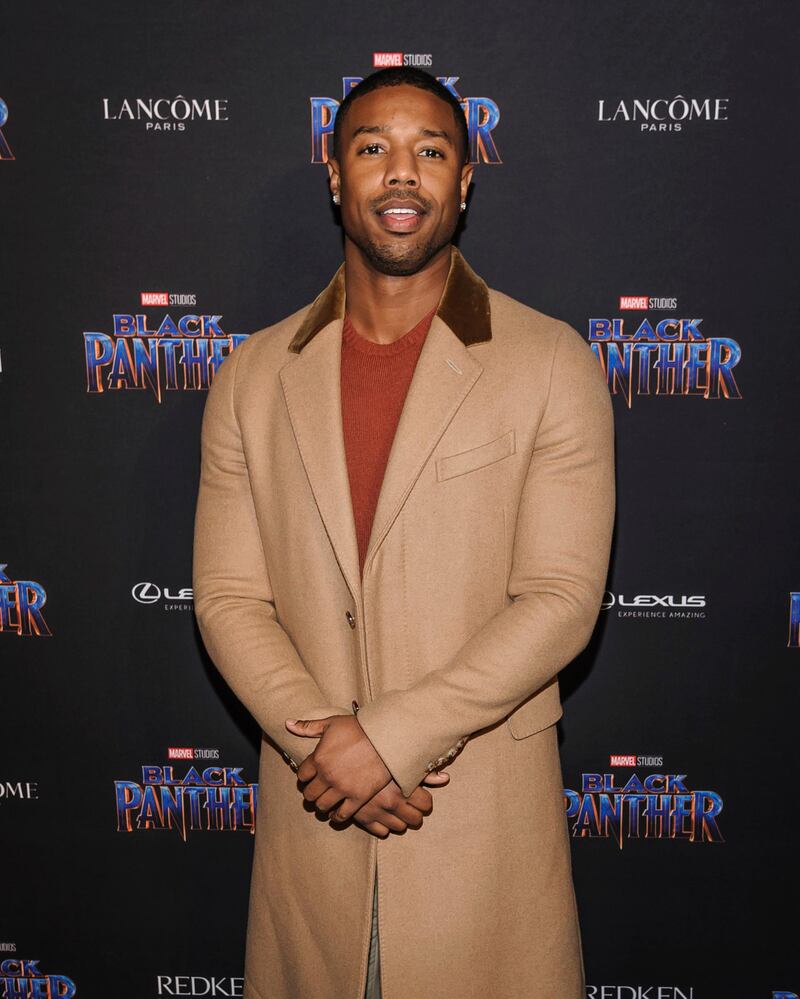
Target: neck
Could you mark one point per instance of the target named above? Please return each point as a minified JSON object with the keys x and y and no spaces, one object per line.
{"x":383,"y":307}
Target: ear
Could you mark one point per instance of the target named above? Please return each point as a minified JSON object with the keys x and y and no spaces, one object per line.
{"x":466,"y":179}
{"x":334,"y":178}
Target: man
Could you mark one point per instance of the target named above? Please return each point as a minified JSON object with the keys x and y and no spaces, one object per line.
{"x":402,"y":535}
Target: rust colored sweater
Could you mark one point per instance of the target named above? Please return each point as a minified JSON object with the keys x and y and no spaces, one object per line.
{"x":375,"y":381}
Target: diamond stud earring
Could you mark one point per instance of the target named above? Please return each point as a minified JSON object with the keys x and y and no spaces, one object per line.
{"x":463,"y":205}
{"x":336,"y":199}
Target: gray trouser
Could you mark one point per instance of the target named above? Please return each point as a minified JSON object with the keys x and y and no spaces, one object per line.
{"x":373,"y":990}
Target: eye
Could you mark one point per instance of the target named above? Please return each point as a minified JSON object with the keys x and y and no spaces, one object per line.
{"x":372,"y":145}
{"x":436,"y":152}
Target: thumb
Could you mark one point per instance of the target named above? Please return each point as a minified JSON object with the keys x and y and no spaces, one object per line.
{"x":436,"y":779}
{"x":309,"y":729}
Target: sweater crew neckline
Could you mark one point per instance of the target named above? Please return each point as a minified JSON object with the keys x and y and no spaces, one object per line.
{"x":352,"y":338}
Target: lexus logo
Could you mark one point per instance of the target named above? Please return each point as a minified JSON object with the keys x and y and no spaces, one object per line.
{"x":151,"y":593}
{"x":651,"y":600}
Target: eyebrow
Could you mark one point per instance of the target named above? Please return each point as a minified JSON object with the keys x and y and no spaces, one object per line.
{"x":431,"y":133}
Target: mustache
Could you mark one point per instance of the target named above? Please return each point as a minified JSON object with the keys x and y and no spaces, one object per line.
{"x":422,"y":203}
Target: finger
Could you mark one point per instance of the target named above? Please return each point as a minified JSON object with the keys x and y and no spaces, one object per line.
{"x":378,"y":829}
{"x":393,"y":823}
{"x":436,"y":779}
{"x":328,"y":799}
{"x":346,"y":810}
{"x":307,"y":769}
{"x":410,"y":815}
{"x":421,"y":799}
{"x":315,"y":788}
{"x":306,"y":728}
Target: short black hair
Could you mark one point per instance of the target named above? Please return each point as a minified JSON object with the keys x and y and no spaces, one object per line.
{"x":395,"y":76}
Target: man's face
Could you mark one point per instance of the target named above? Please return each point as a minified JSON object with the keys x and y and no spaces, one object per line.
{"x":400,"y":177}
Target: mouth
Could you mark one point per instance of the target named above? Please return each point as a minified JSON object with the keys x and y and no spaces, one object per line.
{"x":399,"y":217}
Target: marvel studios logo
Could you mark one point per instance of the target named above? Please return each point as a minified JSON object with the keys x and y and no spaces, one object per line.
{"x":187,"y":753}
{"x":380,"y":60}
{"x":164,"y":298}
{"x":631,"y":303}
{"x":637,"y":761}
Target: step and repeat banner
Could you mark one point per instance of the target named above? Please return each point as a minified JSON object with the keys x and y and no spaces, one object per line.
{"x":164,"y":196}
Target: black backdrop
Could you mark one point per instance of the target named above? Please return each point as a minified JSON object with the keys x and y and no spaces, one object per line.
{"x":679,"y":186}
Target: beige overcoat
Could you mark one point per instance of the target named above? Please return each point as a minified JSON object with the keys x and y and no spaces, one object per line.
{"x":483,"y":578}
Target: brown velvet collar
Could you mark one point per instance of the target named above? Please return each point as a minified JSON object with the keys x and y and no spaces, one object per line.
{"x":464,"y":305}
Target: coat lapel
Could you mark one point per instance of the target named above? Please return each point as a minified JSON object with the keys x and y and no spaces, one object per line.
{"x":312,"y":390}
{"x":443,"y":377}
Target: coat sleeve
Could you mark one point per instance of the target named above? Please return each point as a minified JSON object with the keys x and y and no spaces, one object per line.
{"x":557,"y":578}
{"x":233,"y":599}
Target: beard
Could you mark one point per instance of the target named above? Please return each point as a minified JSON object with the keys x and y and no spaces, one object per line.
{"x":402,"y":255}
{"x":401,"y":259}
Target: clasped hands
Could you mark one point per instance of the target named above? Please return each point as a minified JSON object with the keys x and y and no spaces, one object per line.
{"x":345,"y":776}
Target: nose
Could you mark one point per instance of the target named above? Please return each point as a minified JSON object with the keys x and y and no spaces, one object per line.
{"x":401,"y":169}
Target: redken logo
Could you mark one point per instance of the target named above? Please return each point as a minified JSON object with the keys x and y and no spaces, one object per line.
{"x":639,"y":992}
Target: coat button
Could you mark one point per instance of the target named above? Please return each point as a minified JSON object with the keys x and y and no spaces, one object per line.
{"x":350,"y":619}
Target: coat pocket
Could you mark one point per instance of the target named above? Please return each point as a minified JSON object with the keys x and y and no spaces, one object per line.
{"x":476,"y":457}
{"x":537,"y":713}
